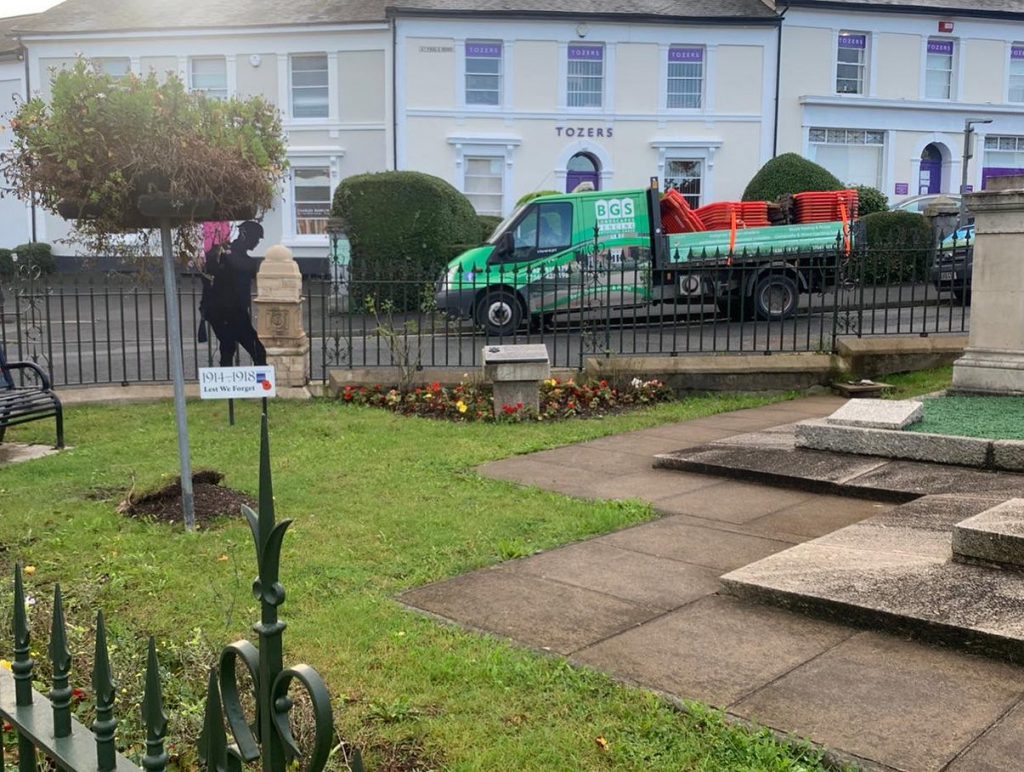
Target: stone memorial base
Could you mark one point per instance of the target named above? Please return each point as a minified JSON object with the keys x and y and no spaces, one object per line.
{"x":516,"y":372}
{"x":998,"y":373}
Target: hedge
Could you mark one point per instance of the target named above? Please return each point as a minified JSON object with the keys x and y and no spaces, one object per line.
{"x":787,"y":174}
{"x":898,"y":247}
{"x":537,"y":194}
{"x":488,"y":224}
{"x":6,"y":264}
{"x":871,"y":200}
{"x":34,"y":257}
{"x":403,"y":228}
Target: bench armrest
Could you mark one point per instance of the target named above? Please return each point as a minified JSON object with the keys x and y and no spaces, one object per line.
{"x":43,"y":378}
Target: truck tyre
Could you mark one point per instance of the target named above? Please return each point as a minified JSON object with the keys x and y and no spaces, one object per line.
{"x":499,"y":313}
{"x":775,"y":297}
{"x":736,"y":308}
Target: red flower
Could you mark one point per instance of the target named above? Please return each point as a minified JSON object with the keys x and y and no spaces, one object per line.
{"x":78,"y":695}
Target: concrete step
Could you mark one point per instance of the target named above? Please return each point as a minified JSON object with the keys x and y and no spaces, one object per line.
{"x":994,"y":537}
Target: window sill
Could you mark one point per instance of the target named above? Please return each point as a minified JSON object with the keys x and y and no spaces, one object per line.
{"x":306,"y":241}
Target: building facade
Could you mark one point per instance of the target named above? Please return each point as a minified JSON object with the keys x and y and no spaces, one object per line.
{"x":879,"y":93}
{"x":15,"y":217}
{"x":526,"y":96}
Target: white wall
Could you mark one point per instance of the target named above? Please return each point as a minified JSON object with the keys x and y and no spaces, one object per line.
{"x":15,"y":220}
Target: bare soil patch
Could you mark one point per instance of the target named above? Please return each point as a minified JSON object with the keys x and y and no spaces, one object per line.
{"x":213,"y":501}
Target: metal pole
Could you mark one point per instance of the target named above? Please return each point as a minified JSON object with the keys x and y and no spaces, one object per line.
{"x":177,"y":374}
{"x":968,"y":136}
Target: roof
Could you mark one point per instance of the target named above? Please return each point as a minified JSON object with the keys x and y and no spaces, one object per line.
{"x":8,"y":43}
{"x":85,"y":16}
{"x":96,"y":16}
{"x":704,"y":10}
{"x":984,"y":8}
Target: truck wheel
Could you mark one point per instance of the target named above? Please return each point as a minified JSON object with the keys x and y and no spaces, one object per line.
{"x":775,"y":297}
{"x":736,"y":308}
{"x":499,"y":313}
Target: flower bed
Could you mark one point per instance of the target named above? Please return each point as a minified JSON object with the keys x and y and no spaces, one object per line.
{"x":475,"y":402}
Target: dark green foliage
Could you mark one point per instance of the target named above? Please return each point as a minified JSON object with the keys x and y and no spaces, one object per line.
{"x":403,"y":226}
{"x":36,"y":257}
{"x":897,"y":247}
{"x":488,"y":223}
{"x":6,"y":264}
{"x":537,"y":194}
{"x":871,"y":200}
{"x":787,"y":174}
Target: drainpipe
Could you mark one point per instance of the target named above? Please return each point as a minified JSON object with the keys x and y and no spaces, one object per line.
{"x":778,"y":80}
{"x":394,"y":93}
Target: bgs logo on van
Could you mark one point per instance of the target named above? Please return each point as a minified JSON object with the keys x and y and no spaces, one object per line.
{"x":615,"y":215}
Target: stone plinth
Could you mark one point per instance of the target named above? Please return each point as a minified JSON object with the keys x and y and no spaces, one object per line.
{"x":994,"y":360}
{"x":279,"y":316}
{"x":878,"y":414}
{"x":516,"y":372}
{"x":994,"y":537}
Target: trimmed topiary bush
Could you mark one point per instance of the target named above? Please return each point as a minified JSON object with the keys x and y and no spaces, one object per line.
{"x":36,"y":257}
{"x":403,"y":228}
{"x":488,"y":224}
{"x":896,"y":248}
{"x":871,"y":200}
{"x":787,"y":174}
{"x":537,"y":194}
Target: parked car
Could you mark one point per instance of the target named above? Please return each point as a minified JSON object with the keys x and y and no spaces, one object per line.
{"x":920,"y":203}
{"x":954,"y":262}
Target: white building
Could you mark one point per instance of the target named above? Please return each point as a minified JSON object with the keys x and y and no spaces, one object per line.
{"x":505,"y":98}
{"x":546,"y":96}
{"x":15,"y":216}
{"x":878,"y":92}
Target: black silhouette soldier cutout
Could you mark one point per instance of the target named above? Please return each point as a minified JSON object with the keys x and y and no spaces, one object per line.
{"x":226,"y":298}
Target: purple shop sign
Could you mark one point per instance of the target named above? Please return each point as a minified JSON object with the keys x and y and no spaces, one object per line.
{"x":586,"y":53}
{"x":484,"y":49}
{"x":853,"y":41}
{"x":944,"y":47}
{"x":1017,"y":52}
{"x":902,"y":188}
{"x":686,"y":54}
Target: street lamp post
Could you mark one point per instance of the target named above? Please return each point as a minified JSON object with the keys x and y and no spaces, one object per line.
{"x":968,"y":134}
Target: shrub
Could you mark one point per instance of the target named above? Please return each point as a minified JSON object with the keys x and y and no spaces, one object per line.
{"x":898,"y":247}
{"x":488,"y":224}
{"x":6,"y":264}
{"x":536,"y":194}
{"x":403,"y":227}
{"x":787,"y":174}
{"x":36,"y":257}
{"x":871,"y":200}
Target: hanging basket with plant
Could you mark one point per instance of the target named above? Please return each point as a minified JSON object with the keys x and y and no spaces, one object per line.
{"x":126,"y":154}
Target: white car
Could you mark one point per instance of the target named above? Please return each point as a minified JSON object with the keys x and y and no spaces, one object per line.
{"x":920,"y":203}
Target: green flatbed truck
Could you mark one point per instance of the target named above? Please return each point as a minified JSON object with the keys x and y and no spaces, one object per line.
{"x":606,"y":249}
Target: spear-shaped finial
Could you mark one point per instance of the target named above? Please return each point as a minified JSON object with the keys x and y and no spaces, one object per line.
{"x":103,"y":685}
{"x":60,"y":656}
{"x":153,"y":715}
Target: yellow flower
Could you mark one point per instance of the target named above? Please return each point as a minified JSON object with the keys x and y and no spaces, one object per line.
{"x":5,"y":664}
{"x":29,"y":570}
{"x":462,"y":406}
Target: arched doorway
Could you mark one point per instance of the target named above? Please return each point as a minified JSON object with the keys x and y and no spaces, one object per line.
{"x":930,"y":176}
{"x":582,"y":167}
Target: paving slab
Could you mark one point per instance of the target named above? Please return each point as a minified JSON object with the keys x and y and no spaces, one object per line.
{"x":19,"y":452}
{"x":716,"y":649}
{"x":553,"y":477}
{"x":734,"y":502}
{"x":878,"y":413}
{"x":998,"y":749}
{"x":606,"y":461}
{"x":539,"y":612}
{"x":678,"y":538}
{"x":651,"y":485}
{"x":995,"y":536}
{"x":625,"y":574}
{"x":894,"y":572}
{"x":816,"y":516}
{"x":908,"y":706}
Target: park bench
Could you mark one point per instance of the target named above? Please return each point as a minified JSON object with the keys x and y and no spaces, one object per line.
{"x":21,"y":404}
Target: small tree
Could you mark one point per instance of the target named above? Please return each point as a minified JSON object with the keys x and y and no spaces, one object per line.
{"x":787,"y":174}
{"x":141,"y":155}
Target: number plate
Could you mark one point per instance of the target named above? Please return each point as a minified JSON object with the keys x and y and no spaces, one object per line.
{"x":947,"y":276}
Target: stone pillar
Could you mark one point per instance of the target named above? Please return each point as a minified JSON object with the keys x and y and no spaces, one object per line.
{"x":993,"y":362}
{"x":279,"y":316}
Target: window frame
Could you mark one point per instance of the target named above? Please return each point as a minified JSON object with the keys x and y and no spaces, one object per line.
{"x":99,"y":62}
{"x":501,"y":160}
{"x":570,"y":75}
{"x":192,"y":73}
{"x":850,"y":138}
{"x":863,"y":65}
{"x":692,"y":50}
{"x":951,"y":87}
{"x":1016,"y":56}
{"x":701,"y":178}
{"x":326,"y":85}
{"x":499,"y":75}
{"x":300,"y":166}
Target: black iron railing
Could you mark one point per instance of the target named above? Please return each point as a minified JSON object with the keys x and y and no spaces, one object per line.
{"x":112,"y":329}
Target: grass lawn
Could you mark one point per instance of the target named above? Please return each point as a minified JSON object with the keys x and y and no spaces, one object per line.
{"x":381,"y":503}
